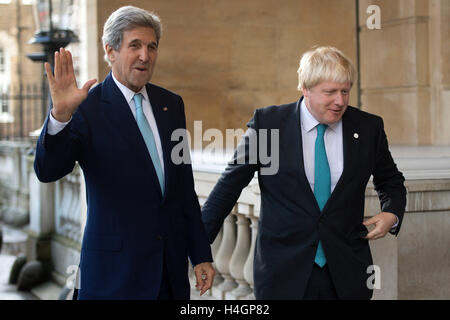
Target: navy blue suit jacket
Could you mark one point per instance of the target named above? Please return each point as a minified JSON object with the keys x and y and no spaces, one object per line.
{"x":291,"y":223}
{"x":130,"y":226}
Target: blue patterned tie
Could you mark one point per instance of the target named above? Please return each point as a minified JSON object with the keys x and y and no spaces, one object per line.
{"x":322,"y":183}
{"x":147,"y":134}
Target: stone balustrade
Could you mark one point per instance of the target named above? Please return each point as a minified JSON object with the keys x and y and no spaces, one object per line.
{"x":427,"y":215}
{"x":413,"y":266}
{"x":68,"y":216}
{"x":14,"y":183}
{"x":233,"y":248}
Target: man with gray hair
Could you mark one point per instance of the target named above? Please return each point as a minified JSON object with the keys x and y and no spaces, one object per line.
{"x":143,"y":219}
{"x":312,"y":242}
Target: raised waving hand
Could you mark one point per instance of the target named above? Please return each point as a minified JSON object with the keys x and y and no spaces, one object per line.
{"x":66,"y":96}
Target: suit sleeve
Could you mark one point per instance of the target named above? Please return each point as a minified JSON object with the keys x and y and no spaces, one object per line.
{"x":237,"y":175}
{"x":389,"y":181}
{"x":199,"y":249}
{"x":56,"y":154}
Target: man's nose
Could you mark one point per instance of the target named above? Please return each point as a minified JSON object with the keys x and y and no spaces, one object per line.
{"x":144,"y":54}
{"x":339,"y":99}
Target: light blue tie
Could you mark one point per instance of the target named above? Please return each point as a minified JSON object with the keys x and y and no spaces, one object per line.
{"x":149,"y":139}
{"x":322,"y":183}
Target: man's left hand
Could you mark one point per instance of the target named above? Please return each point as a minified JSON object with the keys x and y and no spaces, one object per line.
{"x":204,"y":273}
{"x":383,"y":223}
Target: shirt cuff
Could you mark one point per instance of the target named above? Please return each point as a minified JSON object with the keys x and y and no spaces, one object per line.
{"x":54,"y":126}
{"x":396,"y":224}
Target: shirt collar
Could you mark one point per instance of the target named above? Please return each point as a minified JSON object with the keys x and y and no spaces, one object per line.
{"x":308,"y":120}
{"x":128,"y":93}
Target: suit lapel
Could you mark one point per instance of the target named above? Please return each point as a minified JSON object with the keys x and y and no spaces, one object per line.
{"x":161,"y":113}
{"x":350,"y":137}
{"x":117,"y":111}
{"x":350,"y":127}
{"x":294,"y":129}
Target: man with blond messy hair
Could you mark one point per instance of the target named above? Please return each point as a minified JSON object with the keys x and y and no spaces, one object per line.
{"x":312,"y":241}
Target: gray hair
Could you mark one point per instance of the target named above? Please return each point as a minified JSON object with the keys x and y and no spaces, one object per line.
{"x":124,"y":19}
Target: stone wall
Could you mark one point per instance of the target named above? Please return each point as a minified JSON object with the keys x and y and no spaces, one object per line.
{"x":404,"y":70}
{"x":22,"y":79}
{"x":17,"y":27}
{"x":229,"y":57}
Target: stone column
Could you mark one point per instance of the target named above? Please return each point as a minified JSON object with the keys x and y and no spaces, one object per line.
{"x":404,"y":68}
{"x":223,"y":258}
{"x":14,"y":181}
{"x":42,"y":221}
{"x":239,"y":258}
{"x":248,"y":267}
{"x":68,"y":205}
{"x":218,"y":279}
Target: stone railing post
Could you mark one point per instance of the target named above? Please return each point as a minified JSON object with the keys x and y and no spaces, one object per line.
{"x":14,"y":184}
{"x":239,"y":257}
{"x":218,"y":279}
{"x":248,"y":267}
{"x":67,"y":206}
{"x":223,"y":257}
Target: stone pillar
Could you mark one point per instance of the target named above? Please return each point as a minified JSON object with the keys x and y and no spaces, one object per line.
{"x":218,"y":279}
{"x":14,"y":183}
{"x":42,"y":221}
{"x":248,"y":267}
{"x":238,"y":259}
{"x":404,"y":69}
{"x":439,"y":33}
{"x":223,"y":258}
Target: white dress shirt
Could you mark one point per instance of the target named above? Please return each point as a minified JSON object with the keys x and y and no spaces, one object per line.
{"x":55,"y":126}
{"x":333,"y":146}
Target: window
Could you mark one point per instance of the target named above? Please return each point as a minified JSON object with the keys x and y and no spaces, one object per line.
{"x":2,"y":60}
{"x":4,"y":84}
{"x":3,"y":104}
{"x":5,"y":117}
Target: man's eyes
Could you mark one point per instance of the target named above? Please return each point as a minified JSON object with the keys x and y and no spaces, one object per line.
{"x":330,"y":93}
{"x":152,"y":47}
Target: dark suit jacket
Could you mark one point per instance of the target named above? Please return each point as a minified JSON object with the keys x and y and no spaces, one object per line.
{"x":291,"y":224}
{"x":130,"y":225}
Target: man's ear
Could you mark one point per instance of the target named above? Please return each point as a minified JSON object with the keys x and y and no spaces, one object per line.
{"x":305,"y":92}
{"x":110,"y":52}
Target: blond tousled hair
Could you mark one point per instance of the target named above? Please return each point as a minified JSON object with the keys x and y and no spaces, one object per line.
{"x":324,"y":64}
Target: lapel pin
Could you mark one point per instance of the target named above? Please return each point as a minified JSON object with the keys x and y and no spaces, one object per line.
{"x":165,"y":109}
{"x":355,"y":135}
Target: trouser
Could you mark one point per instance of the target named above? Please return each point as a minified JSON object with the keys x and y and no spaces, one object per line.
{"x":165,"y":292}
{"x":320,"y":285}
